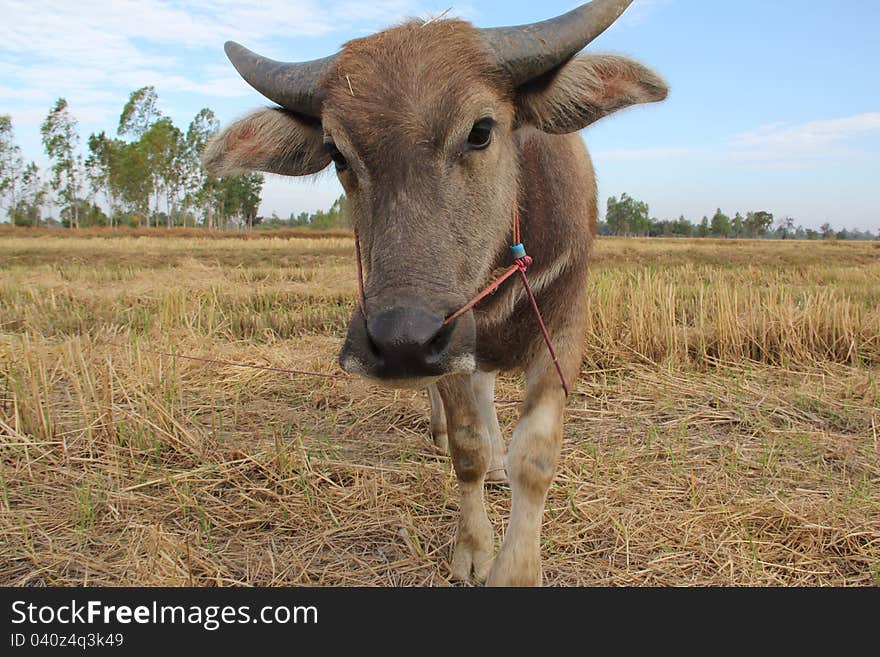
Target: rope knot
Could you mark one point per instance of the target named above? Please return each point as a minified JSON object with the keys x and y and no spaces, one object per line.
{"x":523,"y":263}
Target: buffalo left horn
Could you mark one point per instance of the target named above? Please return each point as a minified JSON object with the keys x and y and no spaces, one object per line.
{"x":524,"y":52}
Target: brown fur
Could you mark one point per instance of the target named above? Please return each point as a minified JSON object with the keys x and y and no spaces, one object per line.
{"x":402,"y":131}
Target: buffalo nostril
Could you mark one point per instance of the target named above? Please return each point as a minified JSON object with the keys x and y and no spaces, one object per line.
{"x":375,"y":351}
{"x":440,"y":341}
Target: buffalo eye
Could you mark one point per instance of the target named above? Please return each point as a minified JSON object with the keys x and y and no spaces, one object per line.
{"x":337,"y":157}
{"x":481,"y":134}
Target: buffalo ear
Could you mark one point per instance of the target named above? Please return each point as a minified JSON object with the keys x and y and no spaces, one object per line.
{"x":272,"y":140}
{"x":585,"y":89}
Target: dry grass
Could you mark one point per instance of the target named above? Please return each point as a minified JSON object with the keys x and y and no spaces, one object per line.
{"x":724,"y":429}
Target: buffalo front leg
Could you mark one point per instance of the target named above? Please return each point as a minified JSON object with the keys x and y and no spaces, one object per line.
{"x":531,"y":466}
{"x":469,"y":447}
{"x":484,"y":392}
{"x":438,"y":419}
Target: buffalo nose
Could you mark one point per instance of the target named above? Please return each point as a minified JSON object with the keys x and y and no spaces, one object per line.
{"x":408,"y":341}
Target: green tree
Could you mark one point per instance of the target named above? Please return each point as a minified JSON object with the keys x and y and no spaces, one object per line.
{"x":785,"y":228}
{"x":28,"y":209}
{"x":627,"y":216}
{"x":102,"y":166}
{"x":335,"y":217}
{"x":682,"y":227}
{"x":131,"y":176}
{"x":302,"y":219}
{"x":90,"y":214}
{"x":238,"y":199}
{"x":61,"y":141}
{"x":198,"y":184}
{"x":249,"y":196}
{"x":660,"y":228}
{"x":163,"y":144}
{"x":121,"y":171}
{"x":139,"y":113}
{"x":142,"y":122}
{"x":615,"y":217}
{"x":703,"y":227}
{"x":758,"y":223}
{"x":720,"y":226}
{"x":10,"y":164}
{"x":737,"y":225}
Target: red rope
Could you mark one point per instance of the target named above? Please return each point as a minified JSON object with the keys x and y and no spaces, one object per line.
{"x":357,"y":251}
{"x":525,"y":282}
{"x":482,"y":295}
{"x":248,"y":365}
{"x":517,"y":239}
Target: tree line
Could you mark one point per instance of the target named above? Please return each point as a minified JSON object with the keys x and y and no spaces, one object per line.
{"x":148,"y":174}
{"x":628,"y":216}
{"x":335,"y":217}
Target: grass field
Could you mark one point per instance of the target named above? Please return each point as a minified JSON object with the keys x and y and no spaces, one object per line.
{"x":723,"y":431}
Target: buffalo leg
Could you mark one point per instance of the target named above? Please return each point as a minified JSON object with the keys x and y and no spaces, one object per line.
{"x":469,"y":447}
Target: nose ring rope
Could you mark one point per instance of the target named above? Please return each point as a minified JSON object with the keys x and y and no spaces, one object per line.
{"x":521,"y":263}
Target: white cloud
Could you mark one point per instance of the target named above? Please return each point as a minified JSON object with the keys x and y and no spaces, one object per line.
{"x":640,"y":11}
{"x":644,"y":154}
{"x":97,"y":51}
{"x":803,"y":145}
{"x":774,"y":146}
{"x":808,"y":135}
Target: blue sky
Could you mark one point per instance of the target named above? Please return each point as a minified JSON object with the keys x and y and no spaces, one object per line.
{"x":773,"y":105}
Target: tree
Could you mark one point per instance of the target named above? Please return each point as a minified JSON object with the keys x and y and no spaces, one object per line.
{"x":737,"y":225}
{"x":758,"y":223}
{"x":131,"y":180}
{"x":682,"y":227}
{"x":10,"y":163}
{"x":703,"y":227}
{"x":238,"y":198}
{"x":163,"y":143}
{"x":143,"y":123}
{"x":139,"y":113}
{"x":660,"y":228}
{"x":785,"y":228}
{"x":250,"y":188}
{"x":627,"y":216}
{"x":28,"y":209}
{"x":720,"y":224}
{"x":827,"y":231}
{"x":101,"y":170}
{"x":199,"y":186}
{"x":60,"y":139}
{"x":91,"y":214}
{"x":335,"y":217}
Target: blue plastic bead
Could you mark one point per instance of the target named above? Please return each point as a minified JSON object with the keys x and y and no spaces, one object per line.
{"x":518,"y":251}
